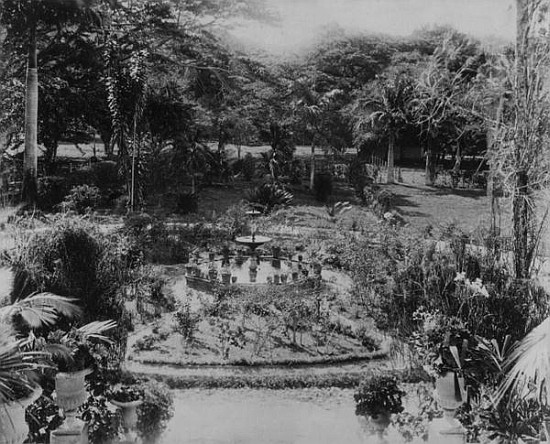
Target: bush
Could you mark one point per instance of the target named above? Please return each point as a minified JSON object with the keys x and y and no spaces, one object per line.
{"x":81,"y":199}
{"x":186,"y":322}
{"x":248,"y":167}
{"x":268,"y":196}
{"x":74,"y":259}
{"x":187,"y":203}
{"x":104,"y":422}
{"x":51,"y":191}
{"x":384,"y":201}
{"x":322,"y":186}
{"x":106,"y":177}
{"x":156,"y":410}
{"x":378,"y":394}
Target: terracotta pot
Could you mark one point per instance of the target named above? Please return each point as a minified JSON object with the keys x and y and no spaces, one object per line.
{"x":226,"y":278}
{"x":13,"y":427}
{"x":70,"y":389}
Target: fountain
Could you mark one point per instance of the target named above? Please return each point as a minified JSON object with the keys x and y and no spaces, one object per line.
{"x":252,"y":241}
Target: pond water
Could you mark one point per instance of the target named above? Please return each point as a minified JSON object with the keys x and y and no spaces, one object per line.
{"x":244,"y":416}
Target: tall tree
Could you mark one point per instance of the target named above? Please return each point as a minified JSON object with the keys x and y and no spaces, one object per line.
{"x":385,"y":113}
{"x":30,"y":23}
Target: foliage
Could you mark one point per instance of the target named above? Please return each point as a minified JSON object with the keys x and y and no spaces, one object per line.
{"x":378,"y":394}
{"x":51,"y":191}
{"x":82,"y":199}
{"x":156,"y":410}
{"x":75,"y":260}
{"x":322,"y":187}
{"x":72,"y":350}
{"x":104,"y":422}
{"x":186,"y":322}
{"x":384,"y":201}
{"x":187,"y":203}
{"x":248,"y":167}
{"x":268,"y":196}
{"x":400,"y":275}
{"x":125,"y":393}
{"x":153,"y":241}
{"x":42,"y":416}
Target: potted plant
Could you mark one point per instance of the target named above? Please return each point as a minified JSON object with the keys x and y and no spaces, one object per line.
{"x":377,"y":398}
{"x":17,"y":387}
{"x":19,"y":361}
{"x":127,"y":397}
{"x":72,"y":352}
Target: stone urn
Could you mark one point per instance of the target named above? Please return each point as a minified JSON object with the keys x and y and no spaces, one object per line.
{"x":13,"y":427}
{"x":252,"y":274}
{"x":70,"y":389}
{"x":129,"y":415}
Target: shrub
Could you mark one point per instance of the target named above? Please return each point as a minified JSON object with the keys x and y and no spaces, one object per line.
{"x":42,"y":417}
{"x":187,"y":203}
{"x":105,"y":176}
{"x":156,"y":410}
{"x":269,"y":195}
{"x":384,"y":201}
{"x":378,"y":394}
{"x":82,"y":198}
{"x":74,"y":259}
{"x":104,"y":422}
{"x":186,"y":322}
{"x":322,"y":186}
{"x":248,"y":167}
{"x":51,"y":191}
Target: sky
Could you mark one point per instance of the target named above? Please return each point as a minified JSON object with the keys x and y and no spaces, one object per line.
{"x":303,"y":20}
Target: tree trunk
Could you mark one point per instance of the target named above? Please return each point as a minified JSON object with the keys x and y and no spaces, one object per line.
{"x":312,"y":168}
{"x":391,"y":153}
{"x":522,"y":203}
{"x":430,"y":166}
{"x":30,"y":163}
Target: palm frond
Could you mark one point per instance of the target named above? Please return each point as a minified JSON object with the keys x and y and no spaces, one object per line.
{"x":95,"y":330}
{"x":41,"y":309}
{"x":528,"y":366}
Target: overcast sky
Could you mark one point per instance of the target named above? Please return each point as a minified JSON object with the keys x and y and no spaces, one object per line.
{"x":302,"y":20}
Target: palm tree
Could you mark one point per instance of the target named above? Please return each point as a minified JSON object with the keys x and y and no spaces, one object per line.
{"x":528,"y":367}
{"x":26,"y":20}
{"x":17,"y":362}
{"x":387,"y":113}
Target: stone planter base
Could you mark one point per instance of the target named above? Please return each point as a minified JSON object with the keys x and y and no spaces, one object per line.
{"x":13,"y":427}
{"x":76,"y":434}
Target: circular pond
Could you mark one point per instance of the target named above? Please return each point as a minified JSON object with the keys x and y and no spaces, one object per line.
{"x":247,"y":270}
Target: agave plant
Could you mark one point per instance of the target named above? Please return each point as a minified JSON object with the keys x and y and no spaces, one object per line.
{"x":269,"y":195}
